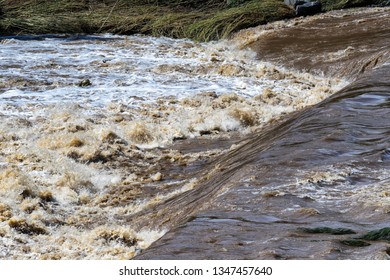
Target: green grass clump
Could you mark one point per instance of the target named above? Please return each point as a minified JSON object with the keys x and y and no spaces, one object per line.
{"x":381,"y":234}
{"x":327,"y":230}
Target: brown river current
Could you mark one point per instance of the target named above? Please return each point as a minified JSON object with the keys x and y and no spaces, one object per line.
{"x":300,"y":171}
{"x":324,"y":167}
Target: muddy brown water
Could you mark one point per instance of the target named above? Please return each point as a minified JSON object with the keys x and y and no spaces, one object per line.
{"x":340,"y":43}
{"x":232,"y":161}
{"x":324,"y":167}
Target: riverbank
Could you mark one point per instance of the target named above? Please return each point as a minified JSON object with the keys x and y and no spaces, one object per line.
{"x":201,"y":20}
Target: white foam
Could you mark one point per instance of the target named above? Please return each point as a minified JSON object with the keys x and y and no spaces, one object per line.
{"x":47,"y":72}
{"x":100,"y":180}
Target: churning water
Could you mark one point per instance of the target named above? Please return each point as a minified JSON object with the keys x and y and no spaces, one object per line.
{"x":109,"y":143}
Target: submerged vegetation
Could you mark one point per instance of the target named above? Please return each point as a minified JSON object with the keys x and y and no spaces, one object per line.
{"x":202,"y":20}
{"x":361,"y":241}
{"x":354,"y":243}
{"x":327,"y":230}
{"x":375,"y":235}
{"x":381,"y":234}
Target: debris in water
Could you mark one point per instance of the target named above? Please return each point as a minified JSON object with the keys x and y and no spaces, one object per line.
{"x":327,"y":230}
{"x":381,"y":234}
{"x":354,"y":243}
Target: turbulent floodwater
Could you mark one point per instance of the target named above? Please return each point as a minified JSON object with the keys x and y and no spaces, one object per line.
{"x":118,"y":147}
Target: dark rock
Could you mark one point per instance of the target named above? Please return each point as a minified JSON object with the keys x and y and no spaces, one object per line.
{"x":295,"y":3}
{"x":85,"y":83}
{"x":307,"y":8}
{"x":299,"y":2}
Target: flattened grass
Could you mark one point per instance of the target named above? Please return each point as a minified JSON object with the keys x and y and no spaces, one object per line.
{"x":230,"y":20}
{"x":201,"y":20}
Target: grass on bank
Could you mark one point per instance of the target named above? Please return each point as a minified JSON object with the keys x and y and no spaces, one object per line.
{"x":201,"y":20}
{"x":246,"y":15}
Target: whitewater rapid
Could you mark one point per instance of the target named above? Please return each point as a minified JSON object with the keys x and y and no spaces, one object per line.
{"x":91,"y":128}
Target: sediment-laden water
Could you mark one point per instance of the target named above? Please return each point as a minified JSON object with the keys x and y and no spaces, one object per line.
{"x":117,"y":147}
